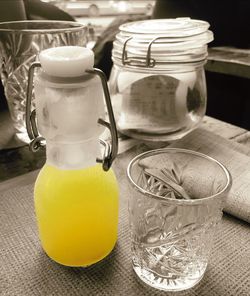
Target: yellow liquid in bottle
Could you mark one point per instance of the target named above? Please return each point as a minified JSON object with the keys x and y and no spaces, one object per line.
{"x":77,"y":213}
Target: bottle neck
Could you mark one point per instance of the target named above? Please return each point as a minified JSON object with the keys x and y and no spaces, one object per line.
{"x":73,"y":155}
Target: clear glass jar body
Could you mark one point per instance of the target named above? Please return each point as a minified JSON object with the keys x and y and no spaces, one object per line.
{"x":157,"y":83}
{"x":160,"y":104}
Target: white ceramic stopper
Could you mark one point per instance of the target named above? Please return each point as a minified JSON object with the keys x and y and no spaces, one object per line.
{"x":66,"y":61}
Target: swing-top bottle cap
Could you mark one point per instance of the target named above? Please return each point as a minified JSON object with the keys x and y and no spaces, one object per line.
{"x":66,"y":61}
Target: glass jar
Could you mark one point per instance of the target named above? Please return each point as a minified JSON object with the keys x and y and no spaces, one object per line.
{"x":157,"y":83}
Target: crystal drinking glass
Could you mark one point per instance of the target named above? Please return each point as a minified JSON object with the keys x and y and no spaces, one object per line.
{"x":175,"y":206}
{"x":20,"y":42}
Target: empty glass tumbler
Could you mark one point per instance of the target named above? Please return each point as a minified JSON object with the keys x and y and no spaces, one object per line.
{"x":175,"y":206}
{"x":157,"y":83}
{"x":20,"y":42}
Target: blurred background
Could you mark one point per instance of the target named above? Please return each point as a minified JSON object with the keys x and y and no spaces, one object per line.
{"x":228,"y":64}
{"x":98,"y":14}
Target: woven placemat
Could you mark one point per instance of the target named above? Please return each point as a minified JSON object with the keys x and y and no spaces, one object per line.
{"x":25,"y":270}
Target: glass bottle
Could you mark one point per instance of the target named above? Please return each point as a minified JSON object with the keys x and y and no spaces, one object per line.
{"x":76,"y":198}
{"x":157,"y":82}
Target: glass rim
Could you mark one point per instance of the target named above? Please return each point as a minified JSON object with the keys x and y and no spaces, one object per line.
{"x":146,"y":193}
{"x":72,"y":26}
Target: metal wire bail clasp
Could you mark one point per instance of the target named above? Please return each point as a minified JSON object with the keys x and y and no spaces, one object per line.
{"x":139,"y":61}
{"x":30,"y":116}
{"x":37,"y":141}
{"x":110,"y":151}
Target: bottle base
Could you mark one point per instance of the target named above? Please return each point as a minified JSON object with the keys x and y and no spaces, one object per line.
{"x":81,"y":264}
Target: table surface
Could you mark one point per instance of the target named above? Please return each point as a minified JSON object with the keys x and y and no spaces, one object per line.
{"x":229,"y":60}
{"x":25,"y":270}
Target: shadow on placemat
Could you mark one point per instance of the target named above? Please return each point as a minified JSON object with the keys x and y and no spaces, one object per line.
{"x":18,"y":161}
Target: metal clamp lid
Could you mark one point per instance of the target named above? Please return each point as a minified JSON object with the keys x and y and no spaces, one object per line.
{"x":159,"y":42}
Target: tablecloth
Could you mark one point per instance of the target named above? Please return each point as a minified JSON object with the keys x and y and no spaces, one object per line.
{"x":25,"y":270}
